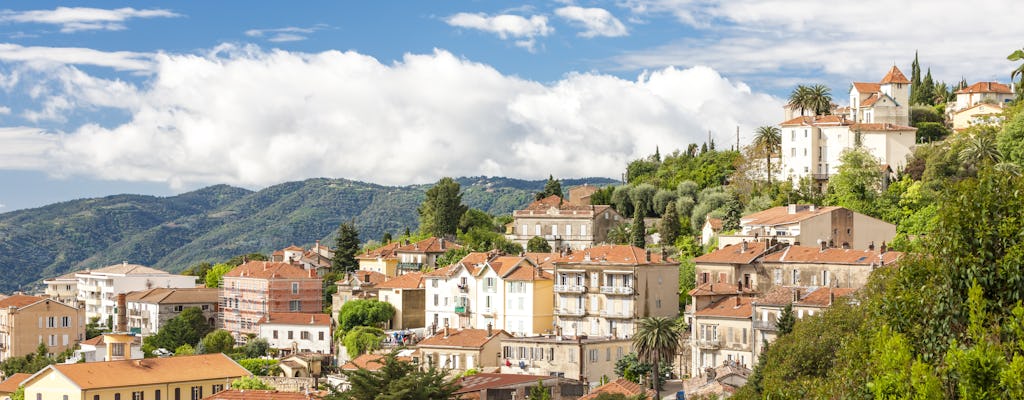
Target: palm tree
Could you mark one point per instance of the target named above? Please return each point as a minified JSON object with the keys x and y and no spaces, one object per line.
{"x":798,"y":98}
{"x":1018,"y":55}
{"x":768,"y":139}
{"x":656,"y":339}
{"x":819,"y":99}
{"x":981,"y":149}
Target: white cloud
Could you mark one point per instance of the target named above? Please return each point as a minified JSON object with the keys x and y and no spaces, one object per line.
{"x":24,"y":148}
{"x":4,"y":110}
{"x":56,"y":56}
{"x":844,"y":40}
{"x":74,"y":19}
{"x":506,"y":26}
{"x":201,"y":119}
{"x":287,"y":34}
{"x":596,"y":21}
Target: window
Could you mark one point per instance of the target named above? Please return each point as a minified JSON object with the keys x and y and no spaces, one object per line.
{"x":572,"y":356}
{"x":593,"y":355}
{"x":657,"y":303}
{"x":826,"y":279}
{"x":320,"y":335}
{"x":522,"y":230}
{"x":179,"y":308}
{"x":65,"y":322}
{"x":97,"y":397}
{"x":53,"y":340}
{"x":295,"y":288}
{"x":489,"y":282}
{"x":554,"y":230}
{"x":744,"y":335}
{"x":568,"y":229}
{"x":291,"y":335}
{"x":536,"y":230}
{"x":434,"y":283}
{"x":436,"y":302}
{"x":216,"y":388}
{"x":138,"y":395}
{"x":805,"y":151}
{"x":295,"y":305}
{"x":792,"y":151}
{"x":275,"y":334}
{"x":177,"y":393}
{"x":51,"y":322}
{"x":796,"y":277}
{"x":304,"y":335}
{"x":197,"y":393}
{"x":206,"y":307}
{"x":608,"y":354}
{"x":583,"y":230}
{"x":117,"y":396}
{"x":117,"y":349}
{"x":157,"y":394}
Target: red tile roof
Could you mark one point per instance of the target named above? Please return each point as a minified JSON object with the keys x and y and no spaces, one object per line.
{"x":475,"y":338}
{"x":10,"y":385}
{"x":385,"y":251}
{"x":613,"y":254}
{"x":716,"y":289}
{"x":251,"y":394}
{"x":716,"y":223}
{"x":149,"y":371}
{"x":815,"y":255}
{"x":729,"y":307}
{"x":311,"y":319}
{"x":19,"y":301}
{"x":481,"y":381}
{"x":733,"y":254}
{"x":526,"y":272}
{"x":871,"y":100}
{"x":428,"y":245}
{"x":364,"y":276}
{"x":270,"y":270}
{"x":619,"y":386}
{"x":175,"y":295}
{"x":882,"y":127}
{"x":370,"y":362}
{"x":294,"y":248}
{"x":986,"y":87}
{"x":823,"y":296}
{"x":780,"y":215}
{"x":867,"y":87}
{"x":411,"y":280}
{"x":817,"y":120}
{"x":895,"y":76}
{"x":778,"y":296}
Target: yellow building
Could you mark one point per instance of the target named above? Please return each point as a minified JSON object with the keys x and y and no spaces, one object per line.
{"x":26,"y":321}
{"x":381,"y":260}
{"x":174,"y":378}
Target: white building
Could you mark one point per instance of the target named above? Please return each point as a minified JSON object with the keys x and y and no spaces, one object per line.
{"x":63,"y":288}
{"x":148,"y":310}
{"x":448,"y":293}
{"x":99,"y":288}
{"x":297,"y":332}
{"x":982,"y":92}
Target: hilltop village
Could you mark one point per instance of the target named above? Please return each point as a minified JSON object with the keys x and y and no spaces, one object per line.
{"x":674,"y":282}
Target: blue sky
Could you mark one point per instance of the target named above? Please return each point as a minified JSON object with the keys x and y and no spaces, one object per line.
{"x":160,"y":98}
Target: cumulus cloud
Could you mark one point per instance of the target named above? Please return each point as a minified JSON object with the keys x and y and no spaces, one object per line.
{"x":252,"y":117}
{"x":57,"y":56}
{"x":506,"y":26}
{"x":74,"y":19}
{"x":595,"y":21}
{"x":286,"y":34}
{"x":765,"y":39}
{"x":25,"y":148}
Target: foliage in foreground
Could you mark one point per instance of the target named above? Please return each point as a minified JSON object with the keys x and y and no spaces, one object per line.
{"x":397,"y":380}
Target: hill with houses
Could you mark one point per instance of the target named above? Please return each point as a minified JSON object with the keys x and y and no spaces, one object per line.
{"x":218,"y":222}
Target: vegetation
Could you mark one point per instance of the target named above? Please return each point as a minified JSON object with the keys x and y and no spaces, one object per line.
{"x":538,"y":244}
{"x":34,"y":362}
{"x":250,"y":383}
{"x":186,"y":328}
{"x":397,"y":380}
{"x":368,"y":312}
{"x":442,"y":208}
{"x":656,"y":340}
{"x":539,"y":392}
{"x":346,"y":247}
{"x":214,"y":277}
{"x":553,"y":187}
{"x":218,"y":341}
{"x":260,"y":366}
{"x":362,"y":339}
{"x":816,"y":99}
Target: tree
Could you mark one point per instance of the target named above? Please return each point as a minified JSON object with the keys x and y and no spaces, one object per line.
{"x":362,"y":339}
{"x":188,"y":327}
{"x":553,"y":187}
{"x":215,"y":275}
{"x":184,"y":350}
{"x":858,"y":184}
{"x":250,"y":383}
{"x":656,"y":341}
{"x":638,"y":232}
{"x":539,"y":392}
{"x":602,"y":196}
{"x":255,"y":348}
{"x":798,"y":98}
{"x":915,"y":81}
{"x":981,"y":149}
{"x":1018,"y":55}
{"x":619,"y":234}
{"x":397,"y":380}
{"x":670,"y":226}
{"x":92,"y":329}
{"x":452,"y":256}
{"x":815,"y":98}
{"x":784,"y":325}
{"x":346,"y":246}
{"x":442,"y":208}
{"x":1010,"y":138}
{"x":368,"y":312}
{"x":260,"y":366}
{"x":474,"y":218}
{"x":538,"y":244}
{"x":768,"y":139}
{"x":19,"y":394}
{"x":218,"y":341}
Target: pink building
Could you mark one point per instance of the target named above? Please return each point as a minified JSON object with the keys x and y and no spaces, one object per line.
{"x":256,"y":288}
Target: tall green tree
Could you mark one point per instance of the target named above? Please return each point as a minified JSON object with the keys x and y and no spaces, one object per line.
{"x":397,"y":380}
{"x":474,"y":218}
{"x":362,"y":339}
{"x":656,"y":341}
{"x":539,"y":392}
{"x":364,"y":312}
{"x":670,"y":226}
{"x":553,"y":187}
{"x":798,"y":99}
{"x":1018,"y":55}
{"x":858,"y":184}
{"x":784,"y":324}
{"x":215,"y":275}
{"x":915,"y":81}
{"x":768,"y":139}
{"x":816,"y":98}
{"x":346,"y":247}
{"x":638,"y":233}
{"x":442,"y":208}
{"x":218,"y":341}
{"x":538,"y":244}
{"x":188,"y":327}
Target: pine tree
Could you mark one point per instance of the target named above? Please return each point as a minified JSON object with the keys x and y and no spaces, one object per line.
{"x":552,"y":187}
{"x":639,"y":231}
{"x":442,"y":208}
{"x":784,"y":325}
{"x":346,"y":246}
{"x":927,"y":92}
{"x":539,"y":392}
{"x":669,"y":224}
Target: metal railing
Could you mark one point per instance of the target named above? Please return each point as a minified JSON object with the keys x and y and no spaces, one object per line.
{"x":709,"y":343}
{"x":765,"y":325}
{"x":616,"y":314}
{"x":570,"y":289}
{"x":577,"y":312}
{"x":616,"y":290}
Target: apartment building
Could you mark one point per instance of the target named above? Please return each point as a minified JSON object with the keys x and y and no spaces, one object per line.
{"x":415,"y":256}
{"x":173,"y":378}
{"x":148,"y":310}
{"x":449,"y":290}
{"x":99,"y":288}
{"x":564,"y":224}
{"x":583,"y":358}
{"x":293,"y":333}
{"x":27,"y":321}
{"x":995,"y":93}
{"x":811,"y":225}
{"x":601,"y":291}
{"x":825,"y":266}
{"x":63,"y":288}
{"x":256,"y":288}
{"x":408,"y":295}
{"x":722,"y":332}
{"x":382,"y":260}
{"x":361,"y":284}
{"x":805,"y":300}
{"x":458,"y":350}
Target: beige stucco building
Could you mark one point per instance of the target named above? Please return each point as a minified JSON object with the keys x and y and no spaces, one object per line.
{"x":148,"y":310}
{"x":407,"y":294}
{"x":584,"y":358}
{"x":993,"y":93}
{"x":172,"y":378}
{"x":564,"y":224}
{"x":63,"y":288}
{"x":601,"y":291}
{"x":979,"y":114}
{"x":810,"y":225}
{"x":722,"y":332}
{"x":463,"y":349}
{"x":415,"y":256}
{"x":27,"y":321}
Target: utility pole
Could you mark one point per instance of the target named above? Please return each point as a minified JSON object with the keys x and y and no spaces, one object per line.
{"x":737,"y":138}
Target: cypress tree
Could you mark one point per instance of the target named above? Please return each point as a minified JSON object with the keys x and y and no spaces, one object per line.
{"x":346,"y":246}
{"x":669,"y":224}
{"x":639,"y":231}
{"x":915,"y":81}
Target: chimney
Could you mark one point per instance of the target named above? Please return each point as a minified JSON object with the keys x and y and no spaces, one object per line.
{"x":737,"y":301}
{"x":441,"y":243}
{"x":884,"y":248}
{"x":122,"y":312}
{"x":664,"y":255}
{"x":743,"y":246}
{"x":831,"y":296}
{"x":871,"y":246}
{"x":648,"y":257}
{"x":489,"y":332}
{"x":446,"y":330}
{"x":792,"y":209}
{"x":824,"y":244}
{"x":812,"y":207}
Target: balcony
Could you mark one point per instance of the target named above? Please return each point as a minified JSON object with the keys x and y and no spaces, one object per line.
{"x":93,"y":302}
{"x":765,"y":325}
{"x":710,"y":344}
{"x":410,"y":266}
{"x":577,"y":312}
{"x":616,"y":314}
{"x":820,"y":177}
{"x":624,"y":290}
{"x":570,"y":289}
{"x":462,"y":309}
{"x":463,"y":288}
{"x":88,"y":288}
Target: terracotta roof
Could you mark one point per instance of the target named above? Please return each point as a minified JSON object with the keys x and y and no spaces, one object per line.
{"x":716,"y":223}
{"x":780,"y":215}
{"x":813,"y":254}
{"x":733,"y":254}
{"x":385,"y":251}
{"x":730,"y":307}
{"x":175,"y":295}
{"x":882,"y":127}
{"x":867,"y":87}
{"x":895,"y":76}
{"x":149,"y":371}
{"x":481,"y":381}
{"x":475,"y":338}
{"x":556,"y":202}
{"x":822,"y":297}
{"x":541,"y":258}
{"x":10,"y":385}
{"x":871,"y":100}
{"x":294,"y":248}
{"x":287,"y":318}
{"x":619,"y":386}
{"x":411,"y":280}
{"x":526,"y":272}
{"x":986,"y":87}
{"x":716,"y":289}
{"x":269,"y":270}
{"x":776,"y":296}
{"x":364,"y":276}
{"x":370,"y":362}
{"x":250,"y":394}
{"x":429,"y":245}
{"x":19,"y":301}
{"x":125,"y":269}
{"x":613,"y":254}
{"x":817,"y":120}
{"x":444,"y":272}
{"x":997,"y":108}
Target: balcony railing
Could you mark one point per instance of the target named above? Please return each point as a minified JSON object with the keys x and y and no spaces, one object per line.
{"x":410,"y":266}
{"x":577,"y":312}
{"x":709,"y":343}
{"x":616,"y":314}
{"x":764,"y":325}
{"x":616,"y":289}
{"x":820,"y":177}
{"x":570,"y":289}
{"x":462,"y":309}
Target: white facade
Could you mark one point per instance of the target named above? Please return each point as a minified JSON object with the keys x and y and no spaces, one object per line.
{"x":98,"y":289}
{"x":302,"y":338}
{"x":814,"y":147}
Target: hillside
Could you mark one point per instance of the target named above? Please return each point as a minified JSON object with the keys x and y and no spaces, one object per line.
{"x":218,"y":222}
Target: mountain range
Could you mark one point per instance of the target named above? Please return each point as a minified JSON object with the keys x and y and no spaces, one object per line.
{"x":218,"y":222}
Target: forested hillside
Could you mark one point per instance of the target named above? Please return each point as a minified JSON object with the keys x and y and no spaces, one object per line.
{"x":219,"y":222}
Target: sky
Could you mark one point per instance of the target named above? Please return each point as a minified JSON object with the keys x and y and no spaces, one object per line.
{"x":161,"y":98}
